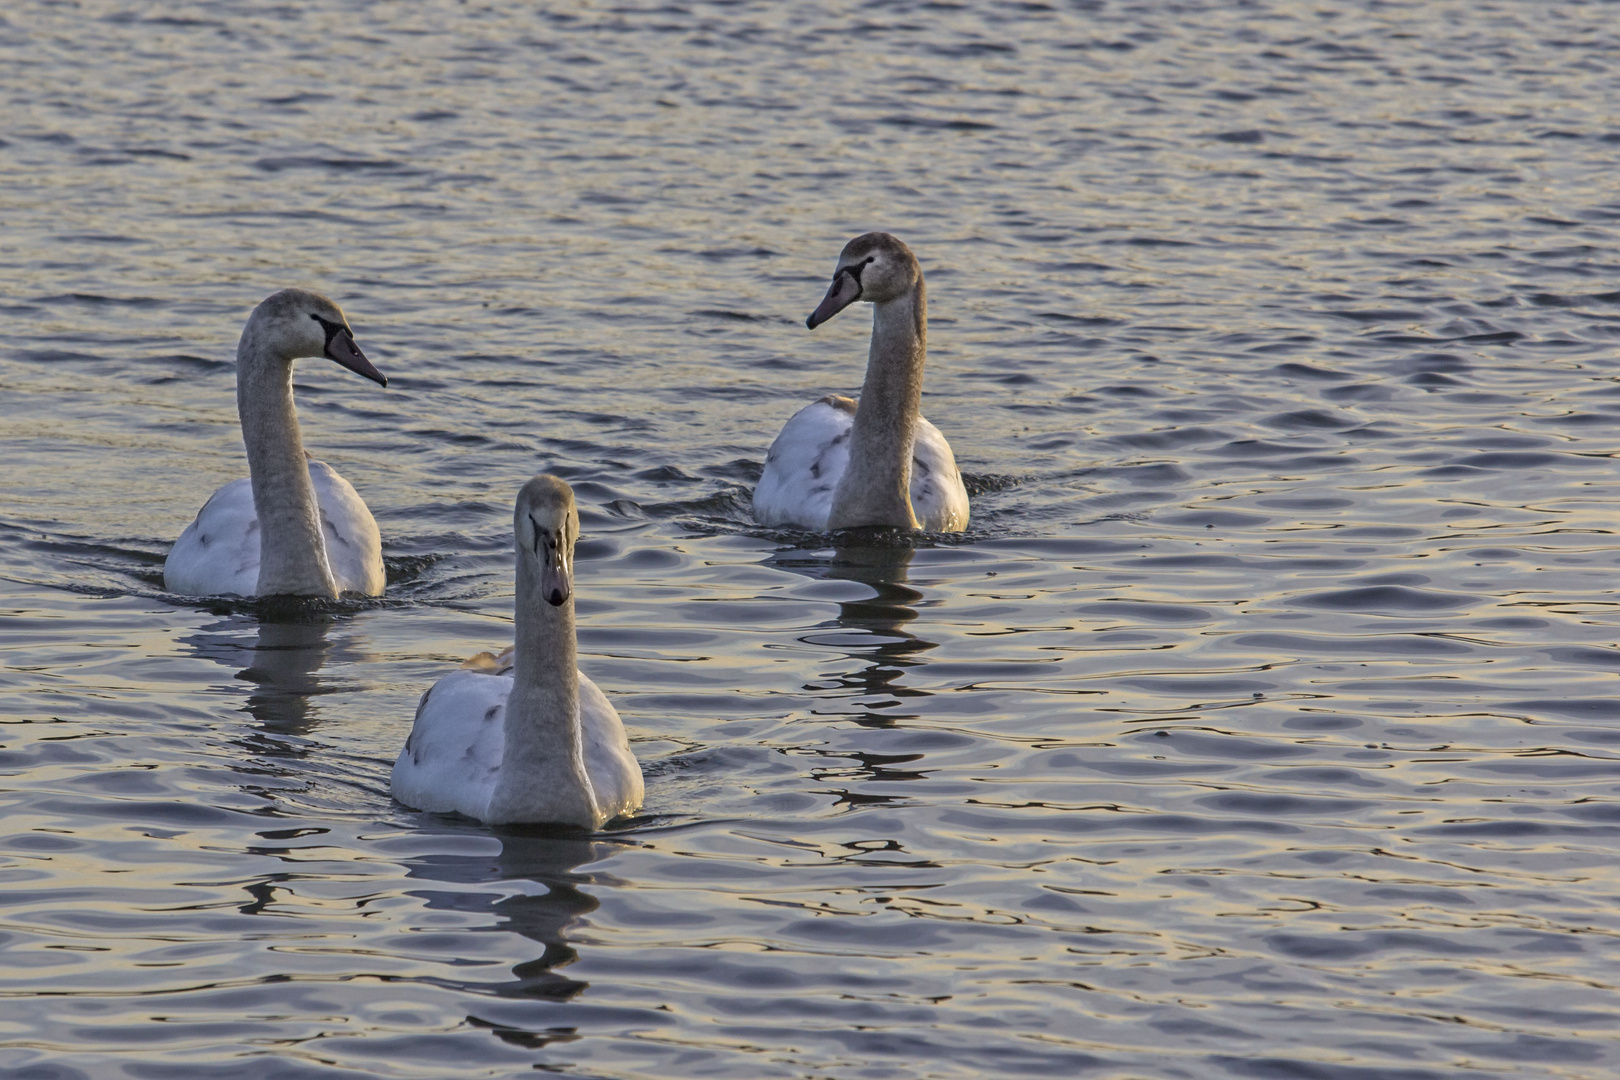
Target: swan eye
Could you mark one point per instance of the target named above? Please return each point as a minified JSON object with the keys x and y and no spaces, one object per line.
{"x":333,"y":329}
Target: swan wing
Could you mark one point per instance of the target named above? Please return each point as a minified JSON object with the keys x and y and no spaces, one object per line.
{"x":453,"y":755}
{"x":804,"y":465}
{"x":353,"y":544}
{"x":809,"y":457}
{"x":615,"y":775}
{"x":938,"y":496}
{"x":218,"y":554}
{"x":489,"y":664}
{"x":452,"y":759}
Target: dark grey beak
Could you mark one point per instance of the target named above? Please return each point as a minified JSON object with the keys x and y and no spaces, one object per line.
{"x":557,"y":579}
{"x":846,"y":289}
{"x":341,"y":347}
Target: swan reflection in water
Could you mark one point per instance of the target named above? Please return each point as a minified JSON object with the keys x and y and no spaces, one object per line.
{"x":873,"y":632}
{"x":283,"y":663}
{"x":549,"y":857}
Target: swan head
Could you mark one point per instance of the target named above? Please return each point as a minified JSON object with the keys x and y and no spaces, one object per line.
{"x":546,"y":525}
{"x":294,"y":323}
{"x":875,"y":267}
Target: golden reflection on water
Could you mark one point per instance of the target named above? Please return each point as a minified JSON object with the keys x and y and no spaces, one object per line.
{"x":1276,"y":346}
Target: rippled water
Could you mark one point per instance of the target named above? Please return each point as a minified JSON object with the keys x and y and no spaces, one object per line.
{"x":1262,"y":725}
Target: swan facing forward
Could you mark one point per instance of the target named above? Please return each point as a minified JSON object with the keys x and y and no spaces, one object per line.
{"x":294,"y":527}
{"x":840,"y":465}
{"x":524,"y":737}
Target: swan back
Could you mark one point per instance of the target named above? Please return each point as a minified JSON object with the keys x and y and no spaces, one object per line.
{"x":809,"y":456}
{"x":218,"y":553}
{"x":353,"y":544}
{"x":452,"y":760}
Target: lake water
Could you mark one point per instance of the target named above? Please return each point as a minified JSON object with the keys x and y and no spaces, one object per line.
{"x":1265,"y":723}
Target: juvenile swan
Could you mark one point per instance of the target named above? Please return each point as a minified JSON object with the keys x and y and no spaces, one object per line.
{"x":838,"y":466}
{"x":294,"y":527}
{"x":524,"y":737}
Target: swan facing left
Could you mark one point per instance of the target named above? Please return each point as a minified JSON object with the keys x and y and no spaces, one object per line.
{"x":293,"y":527}
{"x":842,"y":464}
{"x":524,"y":737}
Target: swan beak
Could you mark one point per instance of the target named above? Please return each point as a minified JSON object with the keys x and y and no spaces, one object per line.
{"x":343,"y":349}
{"x":557,"y":579}
{"x":846,"y":289}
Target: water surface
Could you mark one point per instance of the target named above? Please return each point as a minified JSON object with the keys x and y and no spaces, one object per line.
{"x":1263,"y":724}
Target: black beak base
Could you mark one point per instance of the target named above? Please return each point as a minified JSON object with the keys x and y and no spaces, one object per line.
{"x":845,"y":290}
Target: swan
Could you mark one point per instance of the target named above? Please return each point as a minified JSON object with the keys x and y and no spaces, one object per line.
{"x":837,"y":465}
{"x":524,"y":737}
{"x":293,"y":527}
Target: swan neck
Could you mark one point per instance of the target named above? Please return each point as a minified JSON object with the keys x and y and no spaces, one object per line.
{"x":292,"y":551}
{"x":876,"y":487}
{"x":543,"y":761}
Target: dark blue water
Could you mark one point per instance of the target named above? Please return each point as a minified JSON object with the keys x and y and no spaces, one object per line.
{"x":1263,"y":724}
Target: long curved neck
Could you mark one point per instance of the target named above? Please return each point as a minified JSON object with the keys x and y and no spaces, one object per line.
{"x":876,"y":487}
{"x":543,"y":774}
{"x":292,"y":552}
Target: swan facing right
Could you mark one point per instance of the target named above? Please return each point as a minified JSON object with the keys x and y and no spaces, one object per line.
{"x":839,"y":464}
{"x":524,"y":737}
{"x":293,"y":526}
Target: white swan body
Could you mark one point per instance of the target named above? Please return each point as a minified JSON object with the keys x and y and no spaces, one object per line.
{"x":452,"y":761}
{"x":840,"y":464}
{"x":810,"y":455}
{"x":218,"y":554}
{"x":294,"y":526}
{"x":525,"y":737}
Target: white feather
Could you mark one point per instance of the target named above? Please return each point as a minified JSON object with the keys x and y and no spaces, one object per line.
{"x":452,"y":760}
{"x":810,"y":455}
{"x":218,"y":554}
